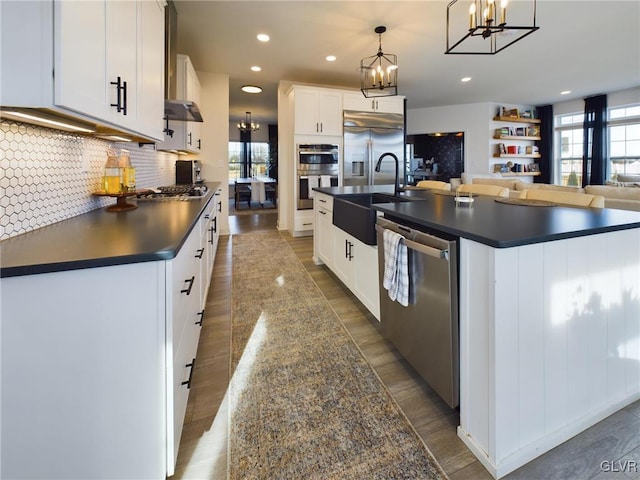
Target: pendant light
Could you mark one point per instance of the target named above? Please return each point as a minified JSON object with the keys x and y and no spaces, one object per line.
{"x":248,"y":125}
{"x":379,"y":72}
{"x":484,"y":26}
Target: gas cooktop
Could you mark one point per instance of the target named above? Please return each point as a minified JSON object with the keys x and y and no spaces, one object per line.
{"x":174,"y":192}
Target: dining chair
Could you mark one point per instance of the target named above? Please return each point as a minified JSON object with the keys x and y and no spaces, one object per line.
{"x":242,"y":193}
{"x":271,"y":193}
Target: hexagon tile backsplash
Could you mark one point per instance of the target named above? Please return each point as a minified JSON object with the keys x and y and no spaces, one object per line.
{"x":48,"y":175}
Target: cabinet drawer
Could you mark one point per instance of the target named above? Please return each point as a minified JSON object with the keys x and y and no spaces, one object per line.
{"x":303,"y":223}
{"x":184,"y":294}
{"x":323,"y":201}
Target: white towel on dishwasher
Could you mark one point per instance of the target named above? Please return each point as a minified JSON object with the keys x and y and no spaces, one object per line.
{"x":396,"y":268}
{"x":313,"y":181}
{"x":325,"y":181}
{"x":257,"y":192}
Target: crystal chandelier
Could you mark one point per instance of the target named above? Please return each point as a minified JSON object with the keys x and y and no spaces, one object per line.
{"x":379,"y":72}
{"x":484,"y":26}
{"x":248,"y":125}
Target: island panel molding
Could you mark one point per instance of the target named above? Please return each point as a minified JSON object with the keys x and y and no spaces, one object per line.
{"x":527,"y":332}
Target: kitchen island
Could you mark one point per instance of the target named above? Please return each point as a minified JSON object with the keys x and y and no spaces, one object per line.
{"x":101,"y":316}
{"x":549,"y":308}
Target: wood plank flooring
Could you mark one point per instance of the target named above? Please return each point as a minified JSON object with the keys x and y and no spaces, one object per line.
{"x":203,"y":447}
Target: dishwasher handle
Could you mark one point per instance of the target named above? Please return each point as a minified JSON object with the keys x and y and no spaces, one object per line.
{"x":419,"y":247}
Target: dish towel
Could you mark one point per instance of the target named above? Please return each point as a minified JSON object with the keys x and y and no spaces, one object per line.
{"x":257,"y":192}
{"x":313,"y":181}
{"x":396,"y":269}
{"x":325,"y":181}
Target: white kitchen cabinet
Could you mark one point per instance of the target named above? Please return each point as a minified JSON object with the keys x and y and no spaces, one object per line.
{"x":317,"y":111}
{"x":150,"y":85}
{"x":186,"y":136}
{"x":209,"y":234}
{"x":103,"y":358}
{"x":357,"y":101}
{"x":185,"y":307}
{"x":303,"y":222}
{"x":323,"y":229}
{"x":356,"y":265}
{"x":107,"y":61}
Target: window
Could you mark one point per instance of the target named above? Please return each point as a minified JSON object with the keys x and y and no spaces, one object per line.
{"x":252,"y":162}
{"x":624,"y":144}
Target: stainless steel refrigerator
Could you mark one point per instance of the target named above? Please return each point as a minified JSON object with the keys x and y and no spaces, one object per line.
{"x":367,"y":135}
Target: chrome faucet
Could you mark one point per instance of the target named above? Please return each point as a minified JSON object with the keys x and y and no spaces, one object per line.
{"x":396,"y":187}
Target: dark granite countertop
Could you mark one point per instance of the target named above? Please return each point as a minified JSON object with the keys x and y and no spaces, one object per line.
{"x":156,"y":230}
{"x":497,"y":224}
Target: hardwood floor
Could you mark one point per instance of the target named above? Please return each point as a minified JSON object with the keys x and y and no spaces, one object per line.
{"x":591,"y":455}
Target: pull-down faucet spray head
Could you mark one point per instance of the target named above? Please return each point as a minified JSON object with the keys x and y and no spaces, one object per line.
{"x":396,"y":187}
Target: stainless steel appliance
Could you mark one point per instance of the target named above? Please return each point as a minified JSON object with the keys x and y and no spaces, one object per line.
{"x":316,"y":166}
{"x":188,"y":172}
{"x":426,"y":331}
{"x":367,"y":135}
{"x":174,"y":192}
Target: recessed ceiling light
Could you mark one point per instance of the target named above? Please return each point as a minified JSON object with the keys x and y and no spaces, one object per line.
{"x":330,"y":58}
{"x":251,"y":89}
{"x":256,"y":68}
{"x":465,"y":79}
{"x":263,"y":37}
{"x":565,"y":92}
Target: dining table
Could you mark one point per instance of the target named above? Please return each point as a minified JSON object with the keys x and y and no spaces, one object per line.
{"x":259,"y":184}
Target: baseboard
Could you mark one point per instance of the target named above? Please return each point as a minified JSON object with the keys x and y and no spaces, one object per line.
{"x":533,"y":450}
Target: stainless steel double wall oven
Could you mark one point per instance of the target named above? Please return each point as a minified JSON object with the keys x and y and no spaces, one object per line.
{"x":317,"y":165}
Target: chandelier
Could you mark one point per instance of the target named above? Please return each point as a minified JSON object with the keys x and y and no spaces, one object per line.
{"x":379,"y":72}
{"x":248,"y":125}
{"x":484,"y":26}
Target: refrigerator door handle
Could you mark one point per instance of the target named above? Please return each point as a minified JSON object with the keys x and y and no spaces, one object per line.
{"x":369,"y":162}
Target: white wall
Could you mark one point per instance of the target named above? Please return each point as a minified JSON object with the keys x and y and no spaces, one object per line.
{"x":473,"y":119}
{"x":215,"y":136}
{"x":614,"y":99}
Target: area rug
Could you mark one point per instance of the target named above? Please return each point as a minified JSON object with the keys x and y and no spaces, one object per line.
{"x":304,"y":402}
{"x":254,"y":209}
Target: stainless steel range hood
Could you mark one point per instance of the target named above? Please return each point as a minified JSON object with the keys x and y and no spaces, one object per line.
{"x":180,"y":110}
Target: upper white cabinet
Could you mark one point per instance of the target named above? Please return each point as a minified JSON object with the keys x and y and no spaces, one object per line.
{"x":106,"y":65}
{"x":357,"y":101}
{"x":317,"y":111}
{"x":187,"y":136}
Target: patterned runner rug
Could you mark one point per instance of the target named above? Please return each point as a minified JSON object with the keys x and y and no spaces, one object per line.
{"x":304,"y":402}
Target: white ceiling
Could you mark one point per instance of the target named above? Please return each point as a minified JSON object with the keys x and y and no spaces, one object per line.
{"x":588,"y":47}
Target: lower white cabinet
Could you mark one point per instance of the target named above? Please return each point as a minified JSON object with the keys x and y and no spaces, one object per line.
{"x":303,"y":222}
{"x":323,"y":229}
{"x":96,"y":371}
{"x":356,"y":265}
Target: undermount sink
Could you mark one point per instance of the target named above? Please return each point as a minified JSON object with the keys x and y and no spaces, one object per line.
{"x":354,"y":214}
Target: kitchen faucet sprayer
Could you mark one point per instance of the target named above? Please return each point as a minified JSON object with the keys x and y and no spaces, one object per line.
{"x":396,"y":187}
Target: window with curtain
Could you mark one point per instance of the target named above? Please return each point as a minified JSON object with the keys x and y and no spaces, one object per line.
{"x":624,"y":144}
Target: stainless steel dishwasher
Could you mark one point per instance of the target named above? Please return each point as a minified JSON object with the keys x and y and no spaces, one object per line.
{"x":426,"y":331}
